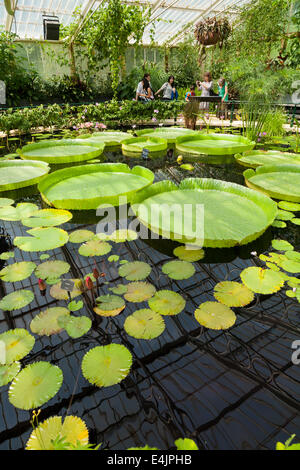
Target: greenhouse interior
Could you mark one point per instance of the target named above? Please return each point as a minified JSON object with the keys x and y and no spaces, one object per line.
{"x":150,"y":213}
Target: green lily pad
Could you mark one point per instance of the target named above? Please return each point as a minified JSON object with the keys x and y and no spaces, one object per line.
{"x":233,"y":294}
{"x":52,"y":270}
{"x":284,"y":215}
{"x":290,"y":266}
{"x":262,"y":281}
{"x":4,"y":201}
{"x":106,"y":365}
{"x":113,"y":258}
{"x":42,"y":239}
{"x":120,"y":289}
{"x":139,"y":291}
{"x":47,"y":218}
{"x":293,"y":255}
{"x":94,"y":248}
{"x":46,"y":322}
{"x":121,"y":236}
{"x":186,"y":444}
{"x":35,"y":385}
{"x":18,"y":343}
{"x":15,"y":174}
{"x":8,"y":372}
{"x":135,"y":270}
{"x":289,"y":206}
{"x":144,"y":324}
{"x":290,"y":293}
{"x":187,"y":167}
{"x":215,"y":316}
{"x":58,"y":293}
{"x":186,"y":253}
{"x":44,"y":256}
{"x":166,"y":302}
{"x":295,"y":221}
{"x":75,"y":326}
{"x":178,"y":269}
{"x":11,"y":213}
{"x":110,"y":302}
{"x":7,"y":255}
{"x":272,"y":266}
{"x":282,"y":245}
{"x":278,"y":224}
{"x":81,"y":236}
{"x":73,"y":430}
{"x":16,"y":300}
{"x":75,"y":306}
{"x":108,"y":313}
{"x":17,"y":271}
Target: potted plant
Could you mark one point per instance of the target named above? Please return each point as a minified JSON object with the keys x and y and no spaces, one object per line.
{"x":211,"y":31}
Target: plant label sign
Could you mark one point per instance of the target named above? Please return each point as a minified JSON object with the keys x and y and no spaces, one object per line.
{"x":67,"y":284}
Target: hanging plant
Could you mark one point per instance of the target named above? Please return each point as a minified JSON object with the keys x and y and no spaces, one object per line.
{"x":212,"y":31}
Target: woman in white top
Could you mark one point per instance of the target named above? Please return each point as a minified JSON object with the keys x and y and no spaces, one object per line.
{"x":205,"y":88}
{"x":144,"y":91}
{"x":168,"y":89}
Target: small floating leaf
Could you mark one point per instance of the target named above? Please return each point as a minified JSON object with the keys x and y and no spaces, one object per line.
{"x":47,"y":218}
{"x":44,"y":256}
{"x":186,"y":253}
{"x":17,"y":271}
{"x":52,"y":270}
{"x":178,"y":269}
{"x":42,"y":239}
{"x":284,"y":215}
{"x":8,"y":372}
{"x":94,"y":248}
{"x":166,"y":302}
{"x":135,"y":270}
{"x":120,"y":289}
{"x":295,"y":221}
{"x":24,"y":209}
{"x":108,"y":313}
{"x":17,"y":299}
{"x":73,"y":430}
{"x":282,"y":245}
{"x":18,"y":343}
{"x":144,"y":324}
{"x":233,"y":294}
{"x":7,"y":255}
{"x":106,"y":365}
{"x":35,"y":385}
{"x":186,"y":444}
{"x":289,"y":206}
{"x":291,"y":266}
{"x":139,"y":291}
{"x":187,"y":167}
{"x":75,"y":326}
{"x":215,"y":316}
{"x":75,"y":306}
{"x":46,"y":322}
{"x":110,"y":302}
{"x":113,"y":258}
{"x":123,"y":235}
{"x":293,"y":255}
{"x":278,"y":224}
{"x":81,"y":236}
{"x":262,"y":281}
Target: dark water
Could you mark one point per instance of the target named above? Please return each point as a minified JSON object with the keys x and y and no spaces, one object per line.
{"x":232,"y":389}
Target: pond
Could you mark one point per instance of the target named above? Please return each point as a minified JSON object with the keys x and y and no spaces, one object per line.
{"x":226,"y":389}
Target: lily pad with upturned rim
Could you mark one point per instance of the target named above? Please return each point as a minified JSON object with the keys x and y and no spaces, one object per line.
{"x":215,"y":316}
{"x":170,"y":134}
{"x":106,"y":365}
{"x":72,"y":429}
{"x":255,"y":158}
{"x":47,"y":218}
{"x":135,"y":270}
{"x":213,"y":144}
{"x":4,"y":201}
{"x":46,"y":322}
{"x":18,"y":343}
{"x":186,"y":253}
{"x":35,"y":385}
{"x":233,"y":294}
{"x":51,"y":270}
{"x":16,"y":300}
{"x":262,"y":281}
{"x":16,"y":174}
{"x":144,"y":324}
{"x":139,"y":291}
{"x":133,"y":147}
{"x":8,"y":372}
{"x":42,"y":239}
{"x":17,"y":271}
{"x":178,"y":269}
{"x":166,"y":302}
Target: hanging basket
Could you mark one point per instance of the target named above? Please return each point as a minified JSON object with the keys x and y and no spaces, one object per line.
{"x":212,"y":31}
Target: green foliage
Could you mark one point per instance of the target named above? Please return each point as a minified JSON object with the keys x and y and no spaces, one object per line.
{"x":287,"y":445}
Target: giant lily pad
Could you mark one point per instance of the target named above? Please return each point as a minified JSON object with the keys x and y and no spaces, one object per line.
{"x":17,"y":174}
{"x":255,"y":158}
{"x":144,"y":324}
{"x":168,"y":133}
{"x":139,"y":291}
{"x":178,"y":269}
{"x":166,"y":302}
{"x":135,"y":270}
{"x":215,"y":316}
{"x":5,"y":201}
{"x":42,"y":239}
{"x":213,"y":148}
{"x":72,"y":430}
{"x":17,"y":299}
{"x":106,"y":365}
{"x":206,"y":212}
{"x":278,"y":181}
{"x":18,"y":343}
{"x":47,"y":218}
{"x":24,"y":209}
{"x":89,"y":186}
{"x":35,"y":385}
{"x":94,"y":247}
{"x":45,"y":323}
{"x":17,"y":271}
{"x":8,"y":372}
{"x":262,"y":281}
{"x":51,"y":270}
{"x":233,"y":294}
{"x":134,"y":147}
{"x":111,"y":139}
{"x":61,"y":151}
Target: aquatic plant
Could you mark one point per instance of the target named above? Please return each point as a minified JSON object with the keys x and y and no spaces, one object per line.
{"x":178,"y":269}
{"x":144,"y":324}
{"x":17,"y":271}
{"x":135,"y":270}
{"x":233,"y":294}
{"x":215,"y":316}
{"x":166,"y":302}
{"x":18,"y":343}
{"x":42,"y":239}
{"x":16,"y":300}
{"x":138,"y":291}
{"x":46,"y":322}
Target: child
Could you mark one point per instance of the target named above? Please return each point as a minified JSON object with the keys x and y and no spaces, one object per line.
{"x":223,"y":92}
{"x":190,"y":93}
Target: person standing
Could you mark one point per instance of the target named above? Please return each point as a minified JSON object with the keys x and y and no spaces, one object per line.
{"x":205,"y":88}
{"x":223,"y":92}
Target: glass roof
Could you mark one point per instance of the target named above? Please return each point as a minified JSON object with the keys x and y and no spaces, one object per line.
{"x":173,"y":15}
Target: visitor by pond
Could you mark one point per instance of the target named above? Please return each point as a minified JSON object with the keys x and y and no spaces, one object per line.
{"x":205,"y":87}
{"x":190,"y":93}
{"x":144,"y":91}
{"x":223,"y":92}
{"x":169,"y":90}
